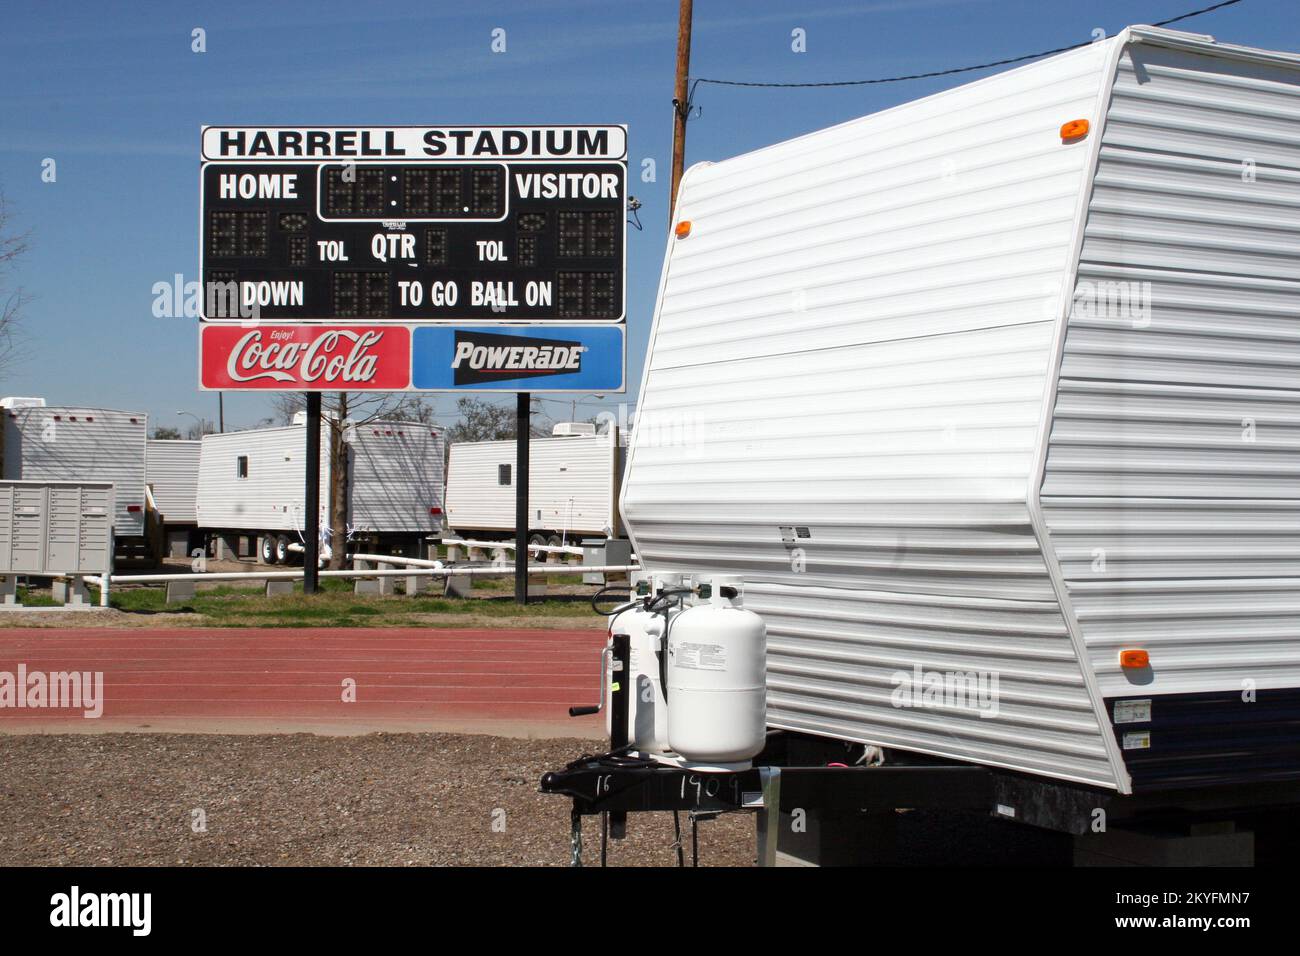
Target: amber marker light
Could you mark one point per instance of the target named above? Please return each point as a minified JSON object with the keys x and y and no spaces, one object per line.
{"x":1133,"y":658}
{"x":683,"y":229}
{"x":1075,"y":129}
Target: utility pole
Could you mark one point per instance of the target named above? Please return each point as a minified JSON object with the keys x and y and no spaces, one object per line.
{"x":681,"y":105}
{"x":311,"y":499}
{"x":523,"y":429}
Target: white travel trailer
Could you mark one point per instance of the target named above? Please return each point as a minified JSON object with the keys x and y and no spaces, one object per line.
{"x":1004,"y":383}
{"x":172,"y":472}
{"x":573,"y":486}
{"x":251,"y":485}
{"x":65,"y":443}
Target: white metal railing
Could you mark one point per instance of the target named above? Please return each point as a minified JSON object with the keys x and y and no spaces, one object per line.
{"x":123,"y":579}
{"x":410,"y":572}
{"x":510,"y":546}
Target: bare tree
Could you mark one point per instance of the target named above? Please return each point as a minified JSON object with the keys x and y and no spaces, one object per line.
{"x":12,"y":298}
{"x":203,"y":426}
{"x":481,"y":420}
{"x":340,"y":409}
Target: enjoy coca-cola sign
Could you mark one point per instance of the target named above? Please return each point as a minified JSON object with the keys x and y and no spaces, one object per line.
{"x":305,"y":357}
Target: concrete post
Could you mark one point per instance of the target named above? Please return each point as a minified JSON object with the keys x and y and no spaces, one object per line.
{"x":386,"y":585}
{"x":180,"y":591}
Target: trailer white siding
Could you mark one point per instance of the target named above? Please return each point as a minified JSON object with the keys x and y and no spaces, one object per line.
{"x":82,"y":444}
{"x":172,"y":468}
{"x":887,"y":385}
{"x":269,"y":495}
{"x":572,"y":487}
{"x":1172,"y":486}
{"x":397,"y":477}
{"x":855,"y":340}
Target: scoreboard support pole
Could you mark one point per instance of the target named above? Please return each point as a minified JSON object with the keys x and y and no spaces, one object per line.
{"x":523,"y":403}
{"x":311,"y":501}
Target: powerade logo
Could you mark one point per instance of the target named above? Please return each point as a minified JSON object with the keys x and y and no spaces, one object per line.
{"x":513,"y":358}
{"x":487,"y":357}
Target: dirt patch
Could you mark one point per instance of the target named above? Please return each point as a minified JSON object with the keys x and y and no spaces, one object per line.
{"x":300,"y":799}
{"x":96,"y":617}
{"x":112,"y":618}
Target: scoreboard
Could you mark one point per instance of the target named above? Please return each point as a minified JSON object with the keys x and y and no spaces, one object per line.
{"x":472,"y":227}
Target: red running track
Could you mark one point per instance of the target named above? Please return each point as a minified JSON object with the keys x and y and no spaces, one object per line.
{"x":516,"y":682}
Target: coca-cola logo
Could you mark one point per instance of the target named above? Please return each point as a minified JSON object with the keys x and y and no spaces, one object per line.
{"x":305,"y":357}
{"x":288,"y":361}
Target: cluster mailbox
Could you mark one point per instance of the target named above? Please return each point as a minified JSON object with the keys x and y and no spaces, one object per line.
{"x":55,"y":528}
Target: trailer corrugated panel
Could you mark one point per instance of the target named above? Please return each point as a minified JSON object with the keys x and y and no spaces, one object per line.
{"x":887,"y":385}
{"x":266,"y":492}
{"x":1172,"y":484}
{"x":172,"y":468}
{"x":886,"y":405}
{"x":572,"y":485}
{"x":397,"y":477}
{"x":82,"y":444}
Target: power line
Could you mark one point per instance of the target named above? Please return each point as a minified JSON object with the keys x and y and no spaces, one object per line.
{"x":950,"y":72}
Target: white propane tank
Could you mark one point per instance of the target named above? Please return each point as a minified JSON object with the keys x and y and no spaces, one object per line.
{"x":647,"y":718}
{"x":717,"y":689}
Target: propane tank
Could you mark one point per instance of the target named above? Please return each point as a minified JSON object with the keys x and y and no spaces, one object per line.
{"x":647,"y":717}
{"x":717,"y":689}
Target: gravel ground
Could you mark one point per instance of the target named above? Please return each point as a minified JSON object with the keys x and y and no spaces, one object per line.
{"x":300,"y":799}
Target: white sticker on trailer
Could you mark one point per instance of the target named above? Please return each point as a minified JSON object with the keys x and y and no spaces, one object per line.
{"x":1133,"y":711}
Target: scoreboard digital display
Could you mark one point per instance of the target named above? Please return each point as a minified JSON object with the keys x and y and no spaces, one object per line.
{"x":488,"y":224}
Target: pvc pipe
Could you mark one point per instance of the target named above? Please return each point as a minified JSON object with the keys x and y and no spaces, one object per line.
{"x":395,"y":559}
{"x":510,"y":546}
{"x":399,"y":573}
{"x":102,"y":584}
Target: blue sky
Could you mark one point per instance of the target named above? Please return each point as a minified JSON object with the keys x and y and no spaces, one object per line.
{"x":114,"y":94}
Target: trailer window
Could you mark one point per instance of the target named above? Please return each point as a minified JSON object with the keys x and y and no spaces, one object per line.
{"x":503,"y":474}
{"x":241,"y":466}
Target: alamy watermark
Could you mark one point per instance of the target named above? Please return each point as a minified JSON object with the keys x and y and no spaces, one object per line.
{"x":57,"y":690}
{"x":1125,"y":301}
{"x":219,"y":300}
{"x":923,"y":689}
{"x":76,"y":908}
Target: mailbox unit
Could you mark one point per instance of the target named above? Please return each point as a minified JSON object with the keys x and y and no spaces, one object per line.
{"x":56,"y":529}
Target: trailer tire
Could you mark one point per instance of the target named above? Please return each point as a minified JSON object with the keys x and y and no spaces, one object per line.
{"x":539,"y":539}
{"x":282,"y":553}
{"x":266,"y":549}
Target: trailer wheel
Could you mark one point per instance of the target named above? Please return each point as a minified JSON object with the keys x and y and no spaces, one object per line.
{"x":538,"y":539}
{"x":554,"y":541}
{"x":282,"y":552}
{"x":267,"y":549}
